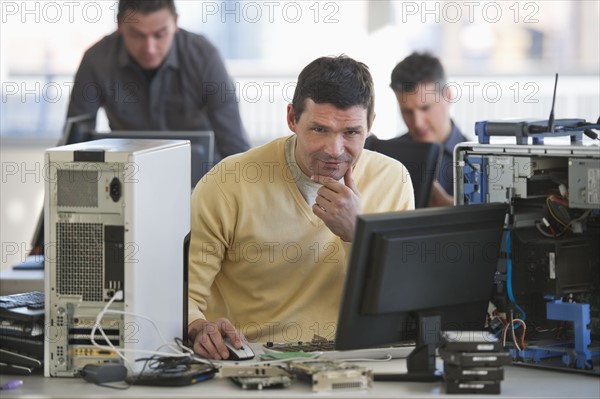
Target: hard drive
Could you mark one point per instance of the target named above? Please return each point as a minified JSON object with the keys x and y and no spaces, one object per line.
{"x":469,"y":341}
{"x":486,"y":387}
{"x":457,"y":373}
{"x":470,"y":359}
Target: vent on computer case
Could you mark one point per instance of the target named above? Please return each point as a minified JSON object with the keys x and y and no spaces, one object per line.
{"x":79,"y":260}
{"x":77,"y":188}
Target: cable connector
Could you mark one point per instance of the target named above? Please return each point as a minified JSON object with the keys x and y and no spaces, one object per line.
{"x":545,"y":221}
{"x":576,"y":227}
{"x":563,"y":190}
{"x":119,"y":295}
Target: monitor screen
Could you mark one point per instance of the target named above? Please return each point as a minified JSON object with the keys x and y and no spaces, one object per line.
{"x":414,"y":274}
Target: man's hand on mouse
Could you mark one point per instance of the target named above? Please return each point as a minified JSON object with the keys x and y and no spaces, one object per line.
{"x":338,"y":204}
{"x":207,"y":338}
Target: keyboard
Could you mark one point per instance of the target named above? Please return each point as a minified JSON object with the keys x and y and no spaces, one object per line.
{"x":27,"y":306}
{"x":326,"y":350}
{"x":31,"y":300}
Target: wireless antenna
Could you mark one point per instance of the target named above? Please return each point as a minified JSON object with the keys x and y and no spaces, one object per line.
{"x":551,"y":117}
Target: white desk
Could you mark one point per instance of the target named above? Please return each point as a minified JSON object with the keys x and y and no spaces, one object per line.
{"x":18,"y":281}
{"x":519,"y":382}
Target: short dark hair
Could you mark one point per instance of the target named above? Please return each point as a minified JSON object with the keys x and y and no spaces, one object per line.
{"x":145,"y":6}
{"x":341,"y":81}
{"x":416,"y":69}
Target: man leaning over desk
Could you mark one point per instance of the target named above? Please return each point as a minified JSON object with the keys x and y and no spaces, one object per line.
{"x":151,"y":75}
{"x":272,"y":227}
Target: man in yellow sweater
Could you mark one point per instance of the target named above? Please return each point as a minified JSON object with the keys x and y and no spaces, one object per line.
{"x":272,"y":227}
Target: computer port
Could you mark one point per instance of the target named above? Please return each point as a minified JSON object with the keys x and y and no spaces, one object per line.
{"x":115,"y":189}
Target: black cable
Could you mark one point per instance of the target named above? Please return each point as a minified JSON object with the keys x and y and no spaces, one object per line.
{"x":591,"y":134}
{"x":123,"y":387}
{"x":588,"y":132}
{"x":551,"y":117}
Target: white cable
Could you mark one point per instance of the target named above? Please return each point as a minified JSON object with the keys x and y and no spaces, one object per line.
{"x":277,"y":361}
{"x":119,"y":351}
{"x":512,"y":327}
{"x":515,"y":337}
{"x":176,"y":348}
{"x":98,"y":326}
{"x":386,"y":359}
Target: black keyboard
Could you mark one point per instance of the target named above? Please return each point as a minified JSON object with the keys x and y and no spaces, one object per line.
{"x":31,"y":300}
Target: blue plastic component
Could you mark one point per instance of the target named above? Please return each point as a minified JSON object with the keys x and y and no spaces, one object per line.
{"x":481,"y":132}
{"x":579,"y":314}
{"x":475,"y":186}
{"x":576,"y":354}
{"x":522,"y":130}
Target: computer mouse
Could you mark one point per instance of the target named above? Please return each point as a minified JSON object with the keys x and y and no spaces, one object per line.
{"x":244,"y":353}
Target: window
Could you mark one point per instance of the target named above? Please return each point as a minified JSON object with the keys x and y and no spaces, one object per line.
{"x":494,"y":53}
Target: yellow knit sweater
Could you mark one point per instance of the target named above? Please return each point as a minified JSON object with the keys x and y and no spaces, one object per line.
{"x":261,"y":258}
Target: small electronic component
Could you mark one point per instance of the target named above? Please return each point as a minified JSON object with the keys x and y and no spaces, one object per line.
{"x":329,"y":375}
{"x":251,"y":371}
{"x":267,"y":382}
{"x":257,"y":377}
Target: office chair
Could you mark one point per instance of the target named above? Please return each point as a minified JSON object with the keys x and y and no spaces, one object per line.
{"x":186,"y":281}
{"x":421,"y":160}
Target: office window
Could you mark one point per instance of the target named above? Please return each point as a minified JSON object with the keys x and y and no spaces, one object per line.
{"x":500,"y":58}
{"x":265,"y":43}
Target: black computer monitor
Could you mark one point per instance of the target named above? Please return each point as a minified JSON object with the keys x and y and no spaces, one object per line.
{"x":76,"y":130}
{"x":82,"y":128}
{"x":414,"y":274}
{"x":420,"y":159}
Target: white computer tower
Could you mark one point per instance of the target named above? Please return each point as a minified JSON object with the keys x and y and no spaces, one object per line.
{"x":116,"y":214}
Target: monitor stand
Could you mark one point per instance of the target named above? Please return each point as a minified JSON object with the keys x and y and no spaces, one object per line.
{"x":421,"y":361}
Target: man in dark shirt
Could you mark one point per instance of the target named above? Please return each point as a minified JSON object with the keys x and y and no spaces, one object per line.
{"x":419,"y":82}
{"x":151,"y":75}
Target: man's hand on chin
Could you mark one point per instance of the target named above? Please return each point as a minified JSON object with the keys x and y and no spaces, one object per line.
{"x":338,"y":204}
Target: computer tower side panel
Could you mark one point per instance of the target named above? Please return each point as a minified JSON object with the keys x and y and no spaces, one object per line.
{"x":157,"y":216}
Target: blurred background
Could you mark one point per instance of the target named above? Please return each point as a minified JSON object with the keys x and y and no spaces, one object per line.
{"x":500,"y":59}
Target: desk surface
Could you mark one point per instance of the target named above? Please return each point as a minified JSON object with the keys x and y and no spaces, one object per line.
{"x":519,"y":382}
{"x":17,"y":281}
